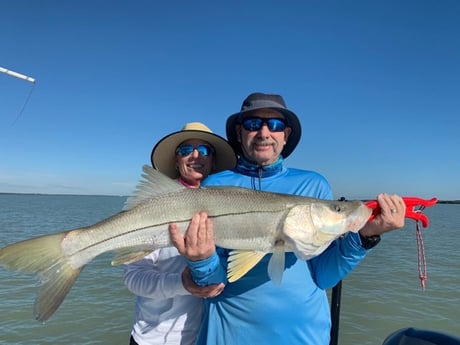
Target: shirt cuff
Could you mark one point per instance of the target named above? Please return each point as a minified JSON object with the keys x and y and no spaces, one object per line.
{"x":203,"y":269}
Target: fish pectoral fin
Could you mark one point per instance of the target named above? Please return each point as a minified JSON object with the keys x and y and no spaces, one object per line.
{"x":240,"y":262}
{"x":129,"y":255}
{"x":276,"y":265}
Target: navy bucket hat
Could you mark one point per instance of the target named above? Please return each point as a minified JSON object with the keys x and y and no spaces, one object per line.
{"x":260,"y":100}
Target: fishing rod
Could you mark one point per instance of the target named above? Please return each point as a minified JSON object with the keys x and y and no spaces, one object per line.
{"x":414,"y":208}
{"x":17,"y":75}
{"x":336,"y":301}
{"x":23,"y":77}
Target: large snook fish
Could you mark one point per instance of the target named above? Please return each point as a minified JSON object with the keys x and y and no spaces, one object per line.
{"x":252,"y":223}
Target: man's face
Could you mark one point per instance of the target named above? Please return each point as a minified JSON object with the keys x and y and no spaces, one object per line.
{"x":262,"y":146}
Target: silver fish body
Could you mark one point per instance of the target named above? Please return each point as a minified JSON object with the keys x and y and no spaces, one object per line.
{"x":251,"y":223}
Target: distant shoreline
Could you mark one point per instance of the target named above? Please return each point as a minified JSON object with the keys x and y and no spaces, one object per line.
{"x":54,"y":194}
{"x":123,"y":196}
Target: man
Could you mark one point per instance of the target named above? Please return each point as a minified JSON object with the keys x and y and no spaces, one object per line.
{"x":253,"y":309}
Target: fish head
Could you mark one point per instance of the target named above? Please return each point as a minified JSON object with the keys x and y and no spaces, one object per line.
{"x":310,"y":228}
{"x":339,"y":217}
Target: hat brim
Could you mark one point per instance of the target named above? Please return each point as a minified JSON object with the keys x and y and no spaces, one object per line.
{"x":291,"y":118}
{"x":163,"y":154}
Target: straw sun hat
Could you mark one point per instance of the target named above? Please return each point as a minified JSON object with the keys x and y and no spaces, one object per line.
{"x":163,"y":154}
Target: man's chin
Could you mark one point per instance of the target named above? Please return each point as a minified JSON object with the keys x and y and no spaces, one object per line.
{"x":263,"y":159}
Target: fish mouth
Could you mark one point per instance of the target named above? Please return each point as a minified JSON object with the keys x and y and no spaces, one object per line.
{"x":359,"y":219}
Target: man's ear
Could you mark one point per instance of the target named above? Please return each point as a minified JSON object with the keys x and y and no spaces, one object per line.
{"x":287,"y":133}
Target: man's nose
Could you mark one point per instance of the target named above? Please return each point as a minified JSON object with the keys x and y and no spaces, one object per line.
{"x":264,"y":131}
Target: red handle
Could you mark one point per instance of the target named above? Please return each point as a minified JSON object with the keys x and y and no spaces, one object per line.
{"x":411,"y":211}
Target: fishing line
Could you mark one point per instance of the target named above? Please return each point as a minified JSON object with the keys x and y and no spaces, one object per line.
{"x":23,"y":77}
{"x":24,"y":105}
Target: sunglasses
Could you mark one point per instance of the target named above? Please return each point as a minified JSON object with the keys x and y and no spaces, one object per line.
{"x":187,"y":149}
{"x":255,"y":123}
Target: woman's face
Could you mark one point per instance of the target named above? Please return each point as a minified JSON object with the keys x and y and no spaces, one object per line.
{"x":195,"y":167}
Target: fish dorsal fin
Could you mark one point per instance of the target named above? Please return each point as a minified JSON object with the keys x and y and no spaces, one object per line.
{"x":152,"y":183}
{"x":240,"y":262}
{"x":129,"y":255}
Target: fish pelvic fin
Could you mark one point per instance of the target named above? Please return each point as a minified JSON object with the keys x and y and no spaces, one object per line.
{"x":276,"y":265}
{"x":240,"y":262}
{"x":127,"y":256}
{"x":43,"y":256}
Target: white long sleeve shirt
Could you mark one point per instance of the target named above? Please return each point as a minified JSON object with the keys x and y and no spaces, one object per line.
{"x":165,"y":312}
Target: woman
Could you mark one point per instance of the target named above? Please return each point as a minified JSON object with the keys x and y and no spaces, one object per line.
{"x":165,"y":312}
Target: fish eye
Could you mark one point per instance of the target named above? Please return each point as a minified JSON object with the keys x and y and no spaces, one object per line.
{"x":338,"y":208}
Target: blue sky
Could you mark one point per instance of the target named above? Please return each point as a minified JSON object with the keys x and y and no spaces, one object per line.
{"x":376,"y":85}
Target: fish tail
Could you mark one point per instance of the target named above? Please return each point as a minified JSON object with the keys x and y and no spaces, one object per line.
{"x":44,"y":257}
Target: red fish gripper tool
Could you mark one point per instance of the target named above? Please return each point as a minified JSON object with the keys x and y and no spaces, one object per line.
{"x":414,"y":208}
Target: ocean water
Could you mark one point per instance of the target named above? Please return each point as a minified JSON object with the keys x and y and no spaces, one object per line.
{"x":382,"y":295}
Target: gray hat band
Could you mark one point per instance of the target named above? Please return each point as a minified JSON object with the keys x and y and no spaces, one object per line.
{"x":262,"y":103}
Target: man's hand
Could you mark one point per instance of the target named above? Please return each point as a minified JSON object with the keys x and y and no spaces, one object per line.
{"x":200,"y":291}
{"x":391,"y":216}
{"x":198,"y":241}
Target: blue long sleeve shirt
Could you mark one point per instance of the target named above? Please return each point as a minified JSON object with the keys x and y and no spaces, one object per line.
{"x":253,"y":310}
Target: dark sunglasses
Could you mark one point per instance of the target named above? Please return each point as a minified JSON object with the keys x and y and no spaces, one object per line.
{"x":255,"y":123}
{"x":186,"y":149}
